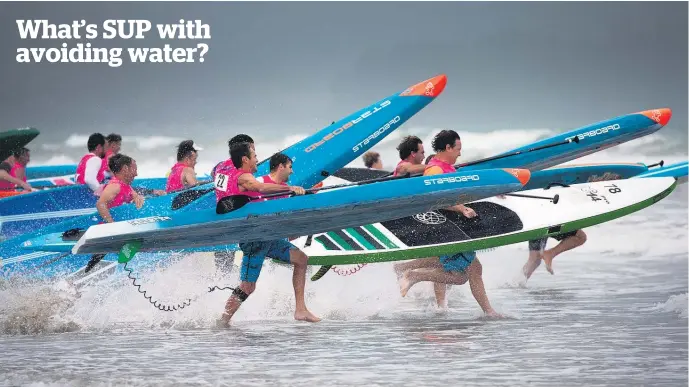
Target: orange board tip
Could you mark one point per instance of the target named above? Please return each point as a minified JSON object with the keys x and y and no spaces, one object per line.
{"x":523,"y":175}
{"x":661,"y":116}
{"x":431,"y":87}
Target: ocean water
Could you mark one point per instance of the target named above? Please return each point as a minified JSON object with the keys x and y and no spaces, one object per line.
{"x":614,"y":313}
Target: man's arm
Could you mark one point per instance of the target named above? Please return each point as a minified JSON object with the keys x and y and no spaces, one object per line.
{"x":93,"y":165}
{"x":106,"y":197}
{"x":462,"y":209}
{"x":139,"y":199}
{"x":413,"y":169}
{"x":250,"y":183}
{"x":189,"y":177}
{"x":7,"y":177}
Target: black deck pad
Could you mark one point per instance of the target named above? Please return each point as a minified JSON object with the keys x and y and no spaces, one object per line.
{"x":444,"y":226}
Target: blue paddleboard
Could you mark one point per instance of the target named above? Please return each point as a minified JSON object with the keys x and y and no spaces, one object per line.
{"x":331,"y":209}
{"x":328,"y":150}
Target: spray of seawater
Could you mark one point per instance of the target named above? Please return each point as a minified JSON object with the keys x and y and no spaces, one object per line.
{"x":615,"y":252}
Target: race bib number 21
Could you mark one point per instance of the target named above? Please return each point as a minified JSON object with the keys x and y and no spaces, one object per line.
{"x":221,"y":181}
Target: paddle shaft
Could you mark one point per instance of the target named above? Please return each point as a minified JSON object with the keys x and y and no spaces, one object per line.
{"x":312,"y":190}
{"x":498,"y":157}
{"x":554,"y":199}
{"x":660,"y":164}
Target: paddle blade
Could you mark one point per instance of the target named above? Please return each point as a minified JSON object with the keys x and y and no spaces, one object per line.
{"x":73,"y":234}
{"x":186,"y":197}
{"x":93,"y":261}
{"x":231,"y":203}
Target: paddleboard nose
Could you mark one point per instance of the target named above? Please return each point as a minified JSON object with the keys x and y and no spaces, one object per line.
{"x":523,"y":175}
{"x":431,"y":87}
{"x":661,"y":116}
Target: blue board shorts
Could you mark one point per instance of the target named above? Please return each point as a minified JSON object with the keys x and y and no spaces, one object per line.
{"x":256,"y":252}
{"x":458,"y":262}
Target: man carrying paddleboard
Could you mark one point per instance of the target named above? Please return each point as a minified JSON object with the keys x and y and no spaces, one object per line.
{"x":231,"y":181}
{"x":222,"y":257}
{"x":280,"y":170}
{"x":454,"y":269}
{"x":372,"y":160}
{"x":91,"y":170}
{"x":119,"y":191}
{"x":22,"y":157}
{"x":9,"y":182}
{"x":238,"y":139}
{"x":182,"y":174}
{"x":411,"y":156}
{"x":113,"y":144}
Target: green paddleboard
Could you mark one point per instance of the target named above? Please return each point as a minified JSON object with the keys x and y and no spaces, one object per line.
{"x":15,"y":138}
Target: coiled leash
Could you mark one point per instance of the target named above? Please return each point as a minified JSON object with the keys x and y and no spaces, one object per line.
{"x":127,"y":253}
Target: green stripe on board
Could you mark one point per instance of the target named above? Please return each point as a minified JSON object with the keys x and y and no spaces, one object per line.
{"x":360,"y":239}
{"x":327,"y":243}
{"x":339,"y":241}
{"x":376,"y":233}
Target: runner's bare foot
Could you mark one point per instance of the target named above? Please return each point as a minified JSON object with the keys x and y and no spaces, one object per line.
{"x":405,"y":284}
{"x":548,"y":260}
{"x":494,"y":315}
{"x":222,"y":322}
{"x":305,"y":315}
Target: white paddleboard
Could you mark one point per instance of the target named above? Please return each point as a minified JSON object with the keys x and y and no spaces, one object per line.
{"x":500,"y":221}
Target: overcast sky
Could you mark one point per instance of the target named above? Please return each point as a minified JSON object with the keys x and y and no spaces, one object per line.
{"x":275,"y":69}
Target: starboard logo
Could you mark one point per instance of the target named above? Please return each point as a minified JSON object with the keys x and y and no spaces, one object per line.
{"x":451,"y":179}
{"x":596,"y":132}
{"x":377,"y":133}
{"x":430,"y":218}
{"x":604,"y":177}
{"x":346,"y":126}
{"x":430,"y":87}
{"x":151,"y":219}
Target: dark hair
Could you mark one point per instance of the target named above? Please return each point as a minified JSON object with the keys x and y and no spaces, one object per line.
{"x":239,"y":150}
{"x":184,"y":149}
{"x":429,"y":158}
{"x":239,"y":139}
{"x":278,"y":159}
{"x":20,"y":152}
{"x":95,"y":140}
{"x":118,"y":161}
{"x":408,"y":145}
{"x":113,"y":137}
{"x":370,"y":158}
{"x":443,"y":139}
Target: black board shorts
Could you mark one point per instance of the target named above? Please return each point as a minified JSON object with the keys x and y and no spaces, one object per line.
{"x":539,"y":244}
